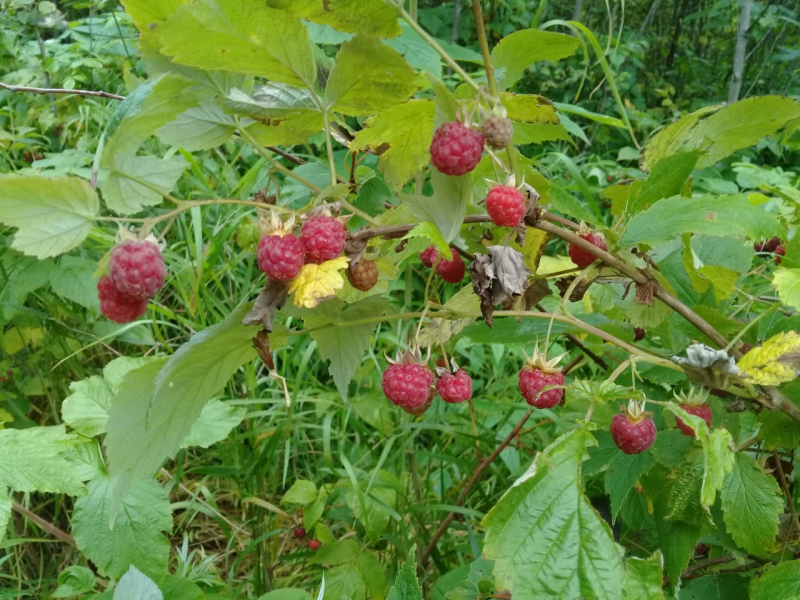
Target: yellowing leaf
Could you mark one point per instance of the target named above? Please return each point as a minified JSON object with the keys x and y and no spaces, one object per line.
{"x":16,"y":338}
{"x":723,"y":279}
{"x":787,"y":282}
{"x":775,"y":361}
{"x":316,"y":283}
{"x":532,"y":251}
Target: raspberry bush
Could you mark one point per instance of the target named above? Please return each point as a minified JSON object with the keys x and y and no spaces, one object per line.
{"x":185,"y":361}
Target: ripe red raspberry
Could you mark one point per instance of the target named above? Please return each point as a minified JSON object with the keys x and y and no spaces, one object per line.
{"x":454,"y":387}
{"x":767,"y":245}
{"x":703,"y":411}
{"x":455,"y":149}
{"x":452,"y":271}
{"x":299,"y":532}
{"x":137,"y":269}
{"x":363,"y":276}
{"x":531,"y":382}
{"x":505,"y":205}
{"x":323,"y":238}
{"x":498,"y":132}
{"x":428,"y":256}
{"x":117,"y":306}
{"x":638,"y":334}
{"x":609,"y":178}
{"x":633,"y":435}
{"x":581,"y":257}
{"x":779,"y":252}
{"x":418,"y":411}
{"x":314,"y":545}
{"x":281,"y":256}
{"x":407,"y":384}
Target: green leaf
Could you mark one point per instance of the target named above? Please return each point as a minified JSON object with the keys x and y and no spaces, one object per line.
{"x":199,"y":128}
{"x":374,"y":515}
{"x":723,"y":586}
{"x":74,"y":581}
{"x":787,"y":282}
{"x":518,"y":51}
{"x":138,"y":181}
{"x":666,"y":179}
{"x":406,"y":586}
{"x":74,"y":280}
{"x":781,"y":582}
{"x":115,"y":371}
{"x":722,"y":130}
{"x":243,"y":37}
{"x":287,"y":594}
{"x":344,"y":581}
{"x":448,"y":206}
{"x":86,"y":409}
{"x":374,"y":17}
{"x":302,"y":492}
{"x":563,"y":201}
{"x":401,"y":137}
{"x":536,"y":133}
{"x":337,"y":553}
{"x":644,"y":578}
{"x":623,"y":472}
{"x":368,"y":77}
{"x":136,"y":537}
{"x":5,"y":511}
{"x":778,"y":430}
{"x":546,"y":539}
{"x":416,"y":51}
{"x":752,"y":503}
{"x":31,"y":461}
{"x":529,"y":108}
{"x":372,"y":573}
{"x":670,"y":447}
{"x":155,"y":409}
{"x":343,"y":345}
{"x":216,"y":421}
{"x":135,"y":585}
{"x":175,"y":587}
{"x":53,"y":214}
{"x":723,"y":216}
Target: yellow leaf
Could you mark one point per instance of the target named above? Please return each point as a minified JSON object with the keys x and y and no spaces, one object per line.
{"x":316,"y":283}
{"x":16,"y":338}
{"x":775,"y":361}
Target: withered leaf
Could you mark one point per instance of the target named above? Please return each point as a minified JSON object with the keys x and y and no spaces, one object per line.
{"x":645,"y":292}
{"x":482,"y":274}
{"x":272,"y":298}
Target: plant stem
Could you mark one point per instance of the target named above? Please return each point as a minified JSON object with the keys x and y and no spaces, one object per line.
{"x":45,"y":525}
{"x":480,"y":29}
{"x":276,"y":165}
{"x":329,"y":147}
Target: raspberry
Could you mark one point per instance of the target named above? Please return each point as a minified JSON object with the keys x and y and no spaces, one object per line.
{"x":505,"y":205}
{"x":531,"y":382}
{"x":746,"y":347}
{"x":454,"y":387}
{"x":581,"y":257}
{"x":633,"y":435}
{"x":418,"y":411}
{"x":428,"y":256}
{"x":703,"y":411}
{"x":769,"y":245}
{"x":455,"y":149}
{"x":452,"y":271}
{"x":299,"y":532}
{"x":363,"y":276}
{"x":779,"y":252}
{"x":117,"y":306}
{"x":314,"y":545}
{"x":137,"y":269}
{"x":281,"y":257}
{"x":323,"y":238}
{"x":498,"y":132}
{"x":407,"y":384}
{"x":638,"y":334}
{"x":609,"y":178}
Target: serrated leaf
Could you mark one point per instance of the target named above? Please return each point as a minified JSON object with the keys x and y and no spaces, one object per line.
{"x":135,"y":585}
{"x":86,"y":409}
{"x":781,"y":582}
{"x":343,"y":345}
{"x":752,"y":503}
{"x":287,"y":594}
{"x":5,"y":511}
{"x":316,"y":283}
{"x":302,"y":492}
{"x":406,"y":586}
{"x":416,"y":51}
{"x":344,"y":581}
{"x":529,"y":108}
{"x":337,"y":553}
{"x":723,"y":216}
{"x":74,"y":581}
{"x":216,"y":421}
{"x":518,"y":51}
{"x":787,"y":282}
{"x":372,"y":573}
{"x":244,"y":37}
{"x":644,"y":578}
{"x":52,"y":215}
{"x":623,"y":472}
{"x":374,"y":17}
{"x":775,"y":361}
{"x":447,"y":207}
{"x":544,"y":536}
{"x":724,"y":280}
{"x":723,"y":586}
{"x":534,"y":247}
{"x":198,"y":128}
{"x":401,"y":136}
{"x":156,"y":407}
{"x":666,"y":179}
{"x":130,"y":185}
{"x":136,"y":538}
{"x":368,"y":77}
{"x":271,"y":101}
{"x":374,"y":515}
{"x":74,"y":280}
{"x":115,"y":371}
{"x":31,"y":460}
{"x":536,"y":133}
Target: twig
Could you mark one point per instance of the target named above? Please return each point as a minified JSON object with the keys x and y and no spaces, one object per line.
{"x":38,"y":90}
{"x":786,"y":491}
{"x":45,"y":525}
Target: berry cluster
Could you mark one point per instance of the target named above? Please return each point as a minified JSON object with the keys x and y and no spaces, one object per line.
{"x":452,"y":271}
{"x":409,"y":383}
{"x":136,"y":273}
{"x":772,"y":246}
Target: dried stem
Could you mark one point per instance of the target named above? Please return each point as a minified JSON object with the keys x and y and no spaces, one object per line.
{"x":44,"y":525}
